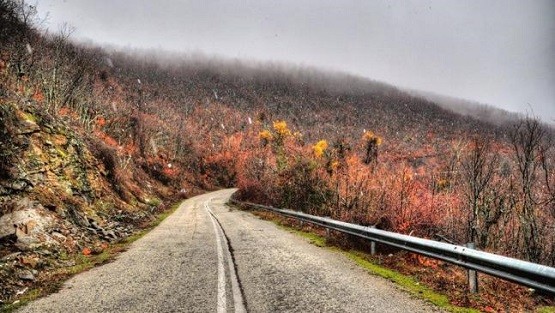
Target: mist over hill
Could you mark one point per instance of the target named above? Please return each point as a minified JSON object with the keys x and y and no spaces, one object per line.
{"x":237,"y":82}
{"x":481,"y":111}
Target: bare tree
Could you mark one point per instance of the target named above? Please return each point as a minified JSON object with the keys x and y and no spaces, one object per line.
{"x":16,"y":20}
{"x":528,"y":139}
{"x":479,"y":168}
{"x":547,"y":157}
{"x":137,"y":121}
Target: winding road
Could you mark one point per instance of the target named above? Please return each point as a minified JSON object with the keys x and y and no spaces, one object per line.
{"x":209,"y":257}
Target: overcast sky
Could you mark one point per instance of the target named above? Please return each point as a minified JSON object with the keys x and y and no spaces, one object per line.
{"x":496,"y":52}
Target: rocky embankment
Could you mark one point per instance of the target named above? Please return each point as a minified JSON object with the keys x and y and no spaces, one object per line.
{"x":56,"y":198}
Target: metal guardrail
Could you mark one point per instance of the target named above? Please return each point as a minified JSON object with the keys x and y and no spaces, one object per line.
{"x":529,"y":274}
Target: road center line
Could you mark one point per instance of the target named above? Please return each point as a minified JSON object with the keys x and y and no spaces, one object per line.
{"x":222,"y":307}
{"x":238,"y":303}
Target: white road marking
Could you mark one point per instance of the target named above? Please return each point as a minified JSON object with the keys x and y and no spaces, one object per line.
{"x":238,"y":302}
{"x":222,"y":307}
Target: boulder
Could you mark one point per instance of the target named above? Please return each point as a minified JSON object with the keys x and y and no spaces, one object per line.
{"x":18,"y":185}
{"x":29,"y":221}
{"x":26,"y":275}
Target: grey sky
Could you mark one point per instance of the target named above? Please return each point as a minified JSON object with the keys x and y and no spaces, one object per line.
{"x":496,"y":52}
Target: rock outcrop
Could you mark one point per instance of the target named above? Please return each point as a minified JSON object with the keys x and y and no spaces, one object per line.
{"x":56,"y":197}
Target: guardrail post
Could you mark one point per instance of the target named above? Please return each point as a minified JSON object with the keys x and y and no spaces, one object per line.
{"x":372,"y":245}
{"x":472,"y":274}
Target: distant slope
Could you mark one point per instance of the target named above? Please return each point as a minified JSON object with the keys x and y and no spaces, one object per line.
{"x":480,"y":111}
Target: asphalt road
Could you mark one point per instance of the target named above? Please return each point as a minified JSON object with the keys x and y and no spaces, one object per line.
{"x":208,"y":257}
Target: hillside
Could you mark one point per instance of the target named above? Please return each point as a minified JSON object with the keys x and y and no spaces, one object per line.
{"x":308,"y":99}
{"x":480,"y":111}
{"x":93,"y":140}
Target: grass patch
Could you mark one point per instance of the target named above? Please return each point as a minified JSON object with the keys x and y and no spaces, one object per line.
{"x":83,"y":263}
{"x":407,"y":283}
{"x":546,"y":309}
{"x":313,"y":238}
{"x":29,"y":117}
{"x":159,"y":219}
{"x":153,"y":201}
{"x":29,"y":296}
